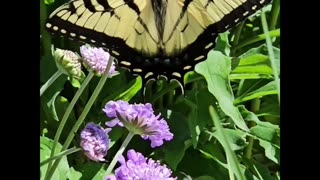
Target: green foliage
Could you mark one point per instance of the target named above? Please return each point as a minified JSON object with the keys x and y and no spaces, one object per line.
{"x":219,"y":84}
{"x":240,"y":139}
{"x":45,"y":150}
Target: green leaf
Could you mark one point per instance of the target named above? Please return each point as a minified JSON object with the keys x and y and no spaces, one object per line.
{"x":100,"y":173}
{"x":73,"y":174}
{"x":199,"y":117}
{"x":61,"y":105}
{"x":75,"y":82}
{"x":52,"y":106}
{"x":233,"y":163}
{"x":248,"y":85}
{"x":263,"y":171}
{"x":216,"y":71}
{"x":198,"y":164}
{"x":256,"y":62}
{"x":215,"y":153}
{"x":268,"y":135}
{"x":236,"y":138}
{"x":250,"y":76}
{"x":265,"y":90}
{"x":48,"y":2}
{"x":175,"y":149}
{"x":126,"y":92}
{"x":134,"y":87}
{"x":271,"y":151}
{"x":45,"y":150}
{"x":269,"y":107}
{"x":92,"y":170}
{"x":223,"y":44}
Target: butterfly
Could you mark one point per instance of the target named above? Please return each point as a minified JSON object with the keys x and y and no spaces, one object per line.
{"x":152,"y":37}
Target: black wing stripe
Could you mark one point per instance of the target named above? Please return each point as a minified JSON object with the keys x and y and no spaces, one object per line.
{"x":105,"y":4}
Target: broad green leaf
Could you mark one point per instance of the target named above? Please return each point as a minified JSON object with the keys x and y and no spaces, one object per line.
{"x":126,"y":92}
{"x":270,"y":131}
{"x":256,"y":62}
{"x":52,"y":106}
{"x":45,"y":150}
{"x":222,"y":44}
{"x":265,"y":90}
{"x":199,"y":117}
{"x":250,"y":76}
{"x":263,"y":171}
{"x":256,"y":170}
{"x":236,"y":138}
{"x":48,"y":2}
{"x":174,"y":153}
{"x":73,"y":174}
{"x":77,"y":82}
{"x":61,"y":105}
{"x":100,"y":173}
{"x":47,"y":123}
{"x":269,"y":107}
{"x":233,"y":163}
{"x":115,"y":135}
{"x":92,"y":170}
{"x":198,"y":164}
{"x":131,"y":91}
{"x":216,"y":71}
{"x":267,"y":134}
{"x":215,"y":154}
{"x":248,"y":85}
{"x":175,"y":149}
{"x":191,"y":77}
{"x":271,"y":151}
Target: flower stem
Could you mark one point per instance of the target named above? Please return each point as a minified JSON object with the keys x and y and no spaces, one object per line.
{"x":60,"y":155}
{"x":237,"y":35}
{"x":255,"y":106}
{"x":82,"y":117}
{"x":50,"y":81}
{"x":120,"y":151}
{"x":67,"y":113}
{"x":270,"y":51}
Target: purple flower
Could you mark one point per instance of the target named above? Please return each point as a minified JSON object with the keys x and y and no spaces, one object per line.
{"x":140,"y":168}
{"x":95,"y":142}
{"x":96,"y":59}
{"x":139,"y":119}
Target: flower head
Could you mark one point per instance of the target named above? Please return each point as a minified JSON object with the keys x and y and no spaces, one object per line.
{"x":95,"y":142}
{"x":96,"y":60}
{"x":140,"y":168}
{"x":68,"y":62}
{"x":139,"y":119}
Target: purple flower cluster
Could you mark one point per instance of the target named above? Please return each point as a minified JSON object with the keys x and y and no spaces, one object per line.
{"x":139,"y":119}
{"x":140,"y":168}
{"x":96,"y":59}
{"x":95,"y":142}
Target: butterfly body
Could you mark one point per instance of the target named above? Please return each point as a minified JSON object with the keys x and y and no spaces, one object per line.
{"x":152,"y":37}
